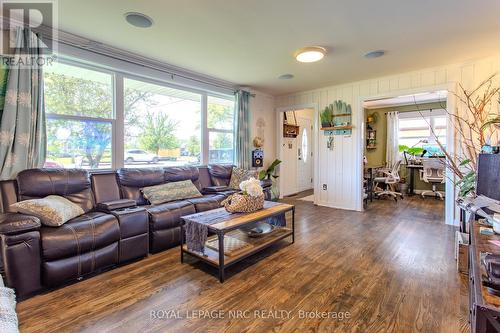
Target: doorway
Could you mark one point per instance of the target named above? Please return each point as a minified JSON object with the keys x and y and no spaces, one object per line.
{"x":296,"y":145}
{"x":403,"y":129}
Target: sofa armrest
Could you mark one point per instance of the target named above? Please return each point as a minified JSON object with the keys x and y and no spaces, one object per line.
{"x":215,"y":189}
{"x":14,"y":223}
{"x":116,"y":204}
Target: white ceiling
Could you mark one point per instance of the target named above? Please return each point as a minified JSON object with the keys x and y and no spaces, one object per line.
{"x":251,"y":43}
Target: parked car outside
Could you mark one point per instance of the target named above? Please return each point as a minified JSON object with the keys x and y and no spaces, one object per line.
{"x":138,"y":155}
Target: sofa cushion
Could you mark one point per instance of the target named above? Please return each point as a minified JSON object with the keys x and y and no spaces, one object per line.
{"x":73,"y":184}
{"x":239,"y":175}
{"x":220,"y":174}
{"x":132,"y":180}
{"x":176,"y":174}
{"x":168,"y":215}
{"x":207,"y":202}
{"x":53,"y":210}
{"x":170,"y":192}
{"x":82,"y":234}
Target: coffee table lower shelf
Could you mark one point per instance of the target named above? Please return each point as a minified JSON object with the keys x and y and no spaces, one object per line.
{"x":214,"y":258}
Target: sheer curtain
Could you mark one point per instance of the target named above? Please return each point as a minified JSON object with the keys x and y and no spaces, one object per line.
{"x":242,"y":136}
{"x":392,"y":152}
{"x":22,"y":124}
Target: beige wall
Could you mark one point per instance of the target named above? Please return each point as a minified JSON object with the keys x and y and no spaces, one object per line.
{"x":262,"y":111}
{"x":340,"y":169}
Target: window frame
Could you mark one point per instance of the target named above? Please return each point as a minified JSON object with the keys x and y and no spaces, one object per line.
{"x":220,"y":130}
{"x":112,"y":120}
{"x":429,"y":117}
{"x":118,"y":111}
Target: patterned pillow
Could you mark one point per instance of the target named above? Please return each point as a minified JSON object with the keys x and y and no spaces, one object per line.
{"x":53,"y":210}
{"x":170,"y":192}
{"x":238,"y":175}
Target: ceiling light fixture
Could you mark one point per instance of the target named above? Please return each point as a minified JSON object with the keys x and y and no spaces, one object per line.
{"x":286,"y":77}
{"x":374,"y":54}
{"x":310,"y":54}
{"x":139,"y":20}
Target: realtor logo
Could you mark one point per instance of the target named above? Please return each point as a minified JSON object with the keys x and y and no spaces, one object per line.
{"x":36,"y":15}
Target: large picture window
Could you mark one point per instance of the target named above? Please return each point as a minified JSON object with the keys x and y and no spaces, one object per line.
{"x":162,"y":125}
{"x":101,"y":119}
{"x":79,"y":109}
{"x":415,"y":130}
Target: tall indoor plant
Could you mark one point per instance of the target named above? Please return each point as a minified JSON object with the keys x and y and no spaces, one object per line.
{"x":474,"y":127}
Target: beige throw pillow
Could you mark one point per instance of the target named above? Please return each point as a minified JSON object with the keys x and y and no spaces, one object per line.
{"x":170,"y":192}
{"x":53,"y":210}
{"x":238,"y":175}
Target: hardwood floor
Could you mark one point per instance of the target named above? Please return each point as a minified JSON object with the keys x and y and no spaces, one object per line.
{"x":391,"y":269}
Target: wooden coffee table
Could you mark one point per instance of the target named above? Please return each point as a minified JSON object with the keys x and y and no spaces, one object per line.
{"x":229,"y":225}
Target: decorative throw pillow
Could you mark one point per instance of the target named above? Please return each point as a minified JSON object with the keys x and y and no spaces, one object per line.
{"x":53,"y":210}
{"x":238,"y":175}
{"x":170,"y":192}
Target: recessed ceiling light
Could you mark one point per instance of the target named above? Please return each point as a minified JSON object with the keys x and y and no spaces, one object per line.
{"x":286,"y":77}
{"x":374,"y":54}
{"x":310,"y":54}
{"x":139,"y":20}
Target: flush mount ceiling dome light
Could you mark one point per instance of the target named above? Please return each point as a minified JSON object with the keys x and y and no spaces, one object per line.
{"x":310,"y":54}
{"x":139,"y":20}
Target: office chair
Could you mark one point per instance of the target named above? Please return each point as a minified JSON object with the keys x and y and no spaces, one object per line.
{"x":389,"y":179}
{"x":433,"y":173}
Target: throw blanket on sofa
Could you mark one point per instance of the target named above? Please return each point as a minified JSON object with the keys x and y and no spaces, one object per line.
{"x":8,"y":316}
{"x":196,"y":225}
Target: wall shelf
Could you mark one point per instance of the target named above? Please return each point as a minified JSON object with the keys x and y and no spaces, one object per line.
{"x":341,"y":115}
{"x":334,"y":128}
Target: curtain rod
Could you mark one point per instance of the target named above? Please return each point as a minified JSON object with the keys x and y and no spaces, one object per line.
{"x":430,"y":110}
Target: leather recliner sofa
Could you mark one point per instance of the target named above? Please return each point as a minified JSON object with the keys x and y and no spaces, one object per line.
{"x":119,"y":225}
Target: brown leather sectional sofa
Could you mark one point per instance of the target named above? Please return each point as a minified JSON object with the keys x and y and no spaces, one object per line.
{"x":119,"y":224}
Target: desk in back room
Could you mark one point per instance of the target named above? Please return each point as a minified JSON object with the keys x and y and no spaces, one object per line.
{"x":413,"y":168}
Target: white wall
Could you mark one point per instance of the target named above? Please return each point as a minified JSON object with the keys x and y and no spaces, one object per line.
{"x":340,"y":169}
{"x":262,"y":107}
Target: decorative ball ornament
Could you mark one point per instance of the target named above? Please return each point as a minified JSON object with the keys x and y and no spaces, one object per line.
{"x":258,"y":142}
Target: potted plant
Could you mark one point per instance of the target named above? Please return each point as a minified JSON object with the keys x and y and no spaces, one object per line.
{"x":410,"y":151}
{"x":326,"y":116}
{"x":270,"y":174}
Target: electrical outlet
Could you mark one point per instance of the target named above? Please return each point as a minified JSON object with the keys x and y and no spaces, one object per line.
{"x":325,"y":187}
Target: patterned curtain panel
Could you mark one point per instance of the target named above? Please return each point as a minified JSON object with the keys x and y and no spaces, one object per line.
{"x":392,"y":149}
{"x":243,"y":151}
{"x":22,"y":126}
{"x":4,"y":71}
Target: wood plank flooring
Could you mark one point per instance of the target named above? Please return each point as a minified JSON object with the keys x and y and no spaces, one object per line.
{"x":390,"y":268}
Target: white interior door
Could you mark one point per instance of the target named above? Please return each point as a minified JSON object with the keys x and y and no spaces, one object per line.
{"x":304,"y":155}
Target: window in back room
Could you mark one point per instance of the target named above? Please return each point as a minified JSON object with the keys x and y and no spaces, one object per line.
{"x":416,"y":130}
